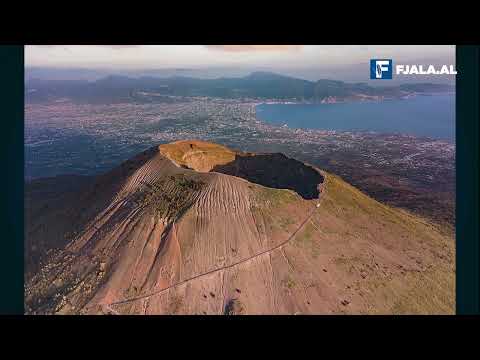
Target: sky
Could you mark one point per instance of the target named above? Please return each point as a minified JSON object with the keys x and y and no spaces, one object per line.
{"x":306,"y":61}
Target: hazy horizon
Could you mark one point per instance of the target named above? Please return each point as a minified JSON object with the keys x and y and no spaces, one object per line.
{"x":348,"y":63}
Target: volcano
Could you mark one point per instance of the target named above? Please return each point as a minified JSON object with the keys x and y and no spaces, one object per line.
{"x":193,"y":227}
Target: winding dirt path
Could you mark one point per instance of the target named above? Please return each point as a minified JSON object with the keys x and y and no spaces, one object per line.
{"x":268,"y":251}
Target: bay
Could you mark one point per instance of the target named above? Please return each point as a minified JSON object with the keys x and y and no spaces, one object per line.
{"x":430,"y":116}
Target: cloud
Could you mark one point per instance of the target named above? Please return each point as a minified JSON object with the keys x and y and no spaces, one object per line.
{"x":246,"y":48}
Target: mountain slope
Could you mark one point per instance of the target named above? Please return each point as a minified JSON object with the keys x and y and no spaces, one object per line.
{"x":118,"y":89}
{"x":173,"y":236}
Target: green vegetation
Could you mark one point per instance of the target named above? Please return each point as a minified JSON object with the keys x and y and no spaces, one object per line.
{"x":429,"y":293}
{"x":288,"y":282}
{"x":305,"y":239}
{"x":267,"y":205}
{"x":274,"y":197}
{"x":186,"y":184}
{"x":416,"y":291}
{"x":347,"y":201}
{"x":132,"y":291}
{"x":170,"y":197}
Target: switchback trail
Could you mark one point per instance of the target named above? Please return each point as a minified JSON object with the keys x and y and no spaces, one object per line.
{"x":146,"y":296}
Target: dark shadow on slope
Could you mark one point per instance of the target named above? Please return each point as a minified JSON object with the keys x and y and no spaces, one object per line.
{"x":57,"y":209}
{"x":275,"y":171}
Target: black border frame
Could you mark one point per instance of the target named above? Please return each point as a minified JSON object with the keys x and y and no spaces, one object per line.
{"x":11,"y":183}
{"x":11,"y":194}
{"x":467,"y":236}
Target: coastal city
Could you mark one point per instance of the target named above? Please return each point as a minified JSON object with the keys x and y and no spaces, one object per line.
{"x":407,"y":171}
{"x":238,"y":180}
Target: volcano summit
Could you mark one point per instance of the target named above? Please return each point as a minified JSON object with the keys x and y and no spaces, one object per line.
{"x":193,"y":227}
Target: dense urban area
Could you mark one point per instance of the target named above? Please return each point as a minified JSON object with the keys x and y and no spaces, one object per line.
{"x":61,"y":136}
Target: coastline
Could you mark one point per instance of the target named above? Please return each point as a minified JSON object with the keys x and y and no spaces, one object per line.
{"x":353,"y":99}
{"x":356,"y":118}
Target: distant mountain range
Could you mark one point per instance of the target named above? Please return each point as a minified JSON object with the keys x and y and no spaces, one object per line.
{"x":258,"y":85}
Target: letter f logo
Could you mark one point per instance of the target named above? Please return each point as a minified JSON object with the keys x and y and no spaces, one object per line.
{"x":381,"y":69}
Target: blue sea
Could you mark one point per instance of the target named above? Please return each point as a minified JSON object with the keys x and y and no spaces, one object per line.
{"x":430,"y":116}
{"x":90,"y":139}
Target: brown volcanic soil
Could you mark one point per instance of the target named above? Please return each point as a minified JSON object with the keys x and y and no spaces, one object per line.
{"x":168,"y":237}
{"x":197,"y":155}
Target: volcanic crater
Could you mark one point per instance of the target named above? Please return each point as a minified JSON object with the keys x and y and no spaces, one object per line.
{"x":193,"y":227}
{"x":274,"y":170}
